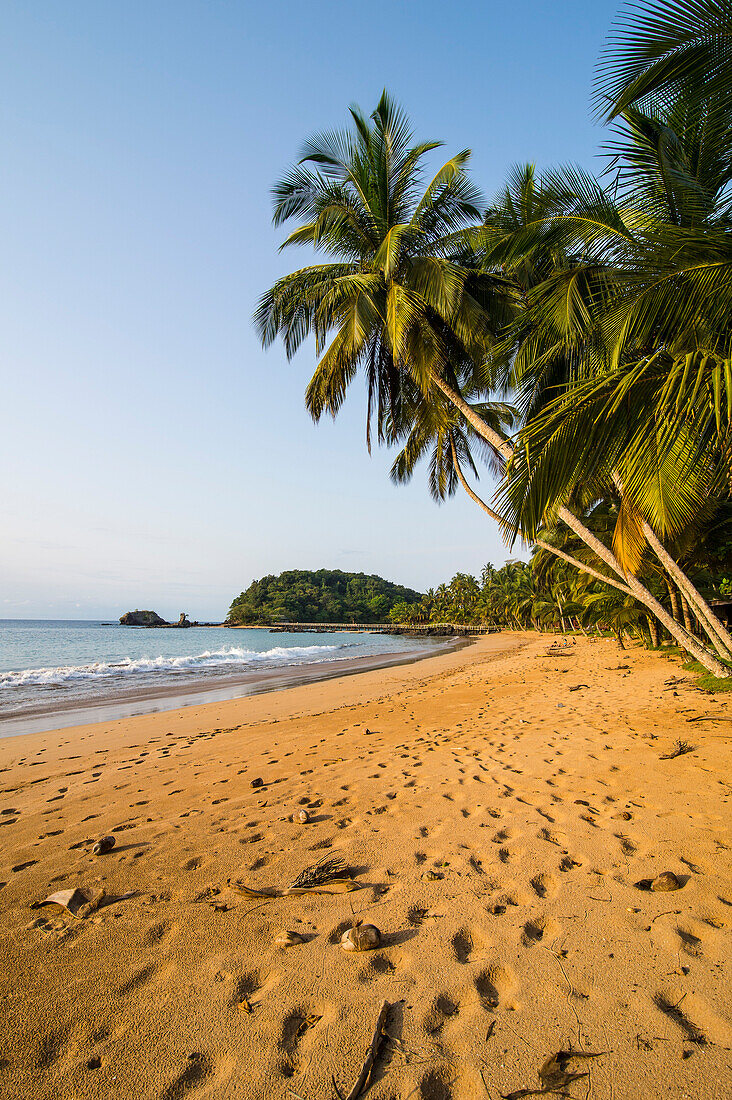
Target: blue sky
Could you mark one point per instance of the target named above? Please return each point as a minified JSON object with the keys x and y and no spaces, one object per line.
{"x":152,"y":454}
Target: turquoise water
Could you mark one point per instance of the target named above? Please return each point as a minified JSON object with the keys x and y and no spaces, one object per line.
{"x":49,"y":665}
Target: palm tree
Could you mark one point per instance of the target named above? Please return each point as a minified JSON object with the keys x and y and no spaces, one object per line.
{"x":396,"y":296}
{"x":665,"y":47}
{"x":401,"y":297}
{"x":641,"y":410}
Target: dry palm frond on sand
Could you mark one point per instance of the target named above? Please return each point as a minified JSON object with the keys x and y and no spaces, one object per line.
{"x":329,"y":876}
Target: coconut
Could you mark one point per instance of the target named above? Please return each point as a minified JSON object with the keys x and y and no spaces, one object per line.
{"x":104,"y":845}
{"x":362,"y":937}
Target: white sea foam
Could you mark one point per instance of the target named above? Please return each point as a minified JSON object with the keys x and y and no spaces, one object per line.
{"x":229,"y":660}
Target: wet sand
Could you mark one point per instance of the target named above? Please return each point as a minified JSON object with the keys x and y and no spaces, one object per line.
{"x":131,"y":701}
{"x":496,"y":806}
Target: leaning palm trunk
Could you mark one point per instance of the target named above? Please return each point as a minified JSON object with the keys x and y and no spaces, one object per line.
{"x":580,"y":565}
{"x":717,"y":632}
{"x":653,"y":631}
{"x":688,"y":622}
{"x":638,"y":590}
{"x":674,"y":599}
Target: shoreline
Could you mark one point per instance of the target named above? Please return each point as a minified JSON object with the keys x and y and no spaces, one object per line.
{"x":171,"y":696}
{"x":496,"y":805}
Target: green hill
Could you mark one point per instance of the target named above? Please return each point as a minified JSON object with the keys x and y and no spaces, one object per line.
{"x":323,"y":596}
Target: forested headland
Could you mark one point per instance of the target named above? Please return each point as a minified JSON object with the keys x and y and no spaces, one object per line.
{"x":320,"y":596}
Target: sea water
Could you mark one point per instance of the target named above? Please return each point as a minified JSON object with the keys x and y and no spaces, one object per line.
{"x":53,"y":666}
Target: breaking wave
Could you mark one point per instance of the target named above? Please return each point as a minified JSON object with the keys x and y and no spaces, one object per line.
{"x":228,"y":660}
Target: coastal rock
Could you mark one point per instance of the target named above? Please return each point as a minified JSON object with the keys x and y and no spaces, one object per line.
{"x":142,"y":618}
{"x":184,"y":620}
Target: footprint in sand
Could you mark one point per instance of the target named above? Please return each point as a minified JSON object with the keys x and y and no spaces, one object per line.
{"x":443,"y":1009}
{"x":434,"y":1087}
{"x":495,"y":985}
{"x":293,"y":1028}
{"x":544,"y":885}
{"x":142,"y":977}
{"x":51,"y":1047}
{"x":158,"y":932}
{"x":244,"y":989}
{"x":462,"y":945}
{"x":197,"y":1069}
{"x":539,"y":930}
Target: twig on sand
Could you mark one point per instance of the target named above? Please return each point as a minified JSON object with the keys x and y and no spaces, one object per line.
{"x":710,"y":718}
{"x":680,"y":749}
{"x":370,"y":1056}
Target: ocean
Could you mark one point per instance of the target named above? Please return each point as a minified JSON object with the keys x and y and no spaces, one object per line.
{"x":61,"y":672}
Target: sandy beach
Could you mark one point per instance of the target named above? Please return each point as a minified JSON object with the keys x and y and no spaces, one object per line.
{"x":495,"y":805}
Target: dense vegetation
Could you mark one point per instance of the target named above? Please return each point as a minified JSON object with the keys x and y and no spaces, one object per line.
{"x":322,"y":596}
{"x":599,"y":308}
{"x":549,"y":594}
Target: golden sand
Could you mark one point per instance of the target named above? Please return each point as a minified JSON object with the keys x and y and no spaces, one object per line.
{"x":496,"y":806}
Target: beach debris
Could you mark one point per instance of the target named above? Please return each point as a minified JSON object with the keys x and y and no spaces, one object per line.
{"x":103,"y":899}
{"x":662,"y":883}
{"x":666,"y":881}
{"x":250,"y":892}
{"x":432,"y":876}
{"x":325,"y":872}
{"x":288,"y":939}
{"x":361,"y":937}
{"x":258,"y":782}
{"x":681,"y":748}
{"x":73,"y":900}
{"x":78,"y":899}
{"x":370,"y":1059}
{"x":329,"y":876}
{"x":555,"y":1074}
{"x":302,"y":816}
{"x":103,"y":845}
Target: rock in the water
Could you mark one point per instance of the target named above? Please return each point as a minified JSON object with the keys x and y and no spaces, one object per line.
{"x":184,"y":620}
{"x":667,"y":880}
{"x":104,"y":845}
{"x":142,"y":618}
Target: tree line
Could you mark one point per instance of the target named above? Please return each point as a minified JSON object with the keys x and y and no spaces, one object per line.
{"x":573,"y":334}
{"x":319,"y":596}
